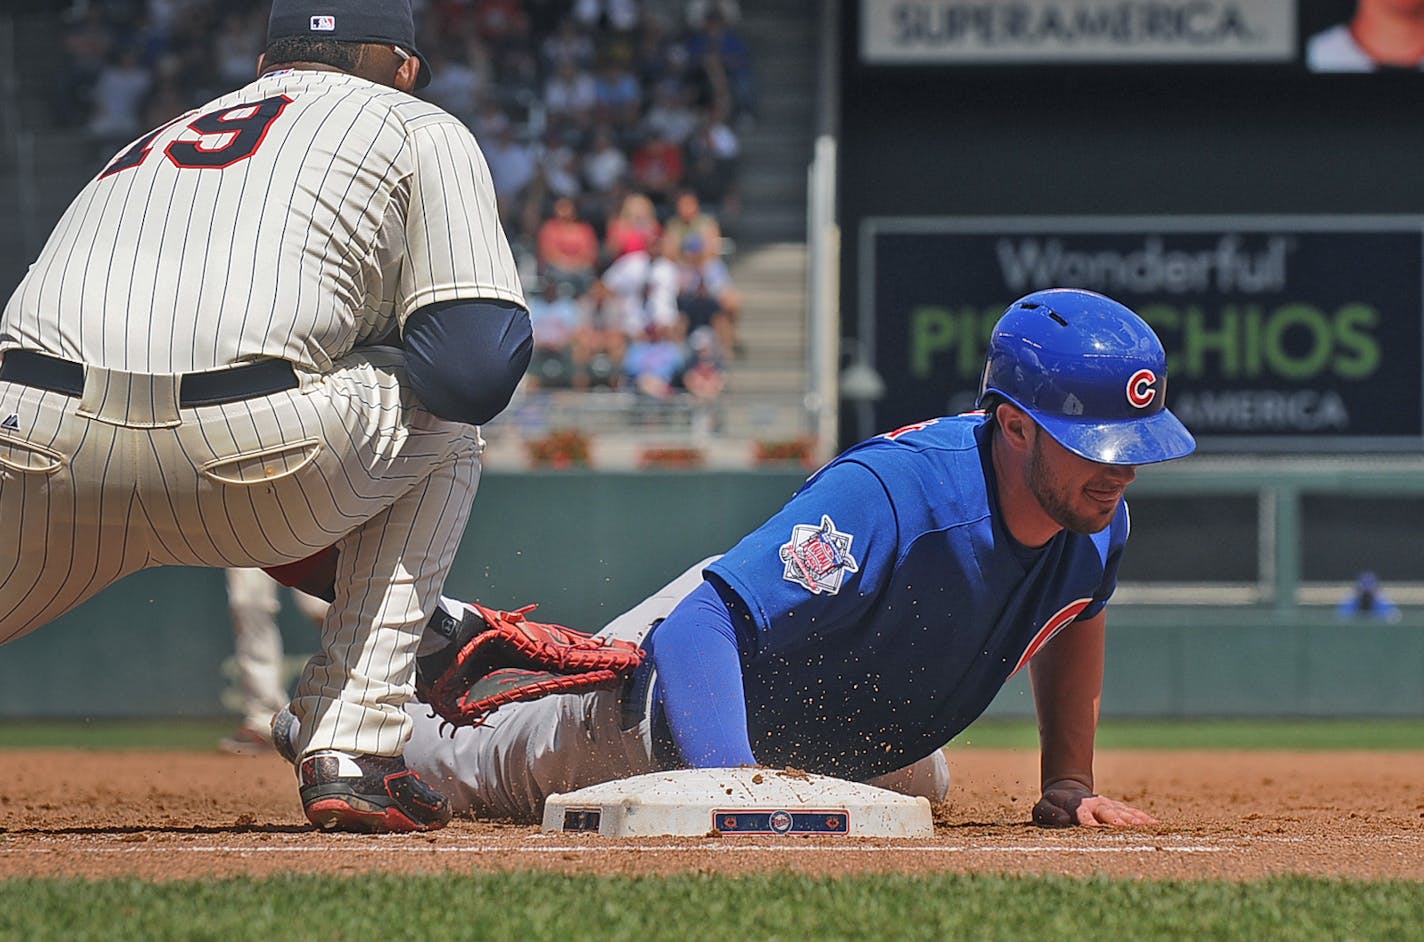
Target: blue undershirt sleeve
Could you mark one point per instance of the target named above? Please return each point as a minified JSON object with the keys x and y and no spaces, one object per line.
{"x":465,"y":358}
{"x":700,"y":677}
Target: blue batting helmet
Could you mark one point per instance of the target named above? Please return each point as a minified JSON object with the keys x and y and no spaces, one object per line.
{"x":1090,"y":372}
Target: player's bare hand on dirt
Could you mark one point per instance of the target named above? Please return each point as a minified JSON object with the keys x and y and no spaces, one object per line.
{"x":1065,"y":804}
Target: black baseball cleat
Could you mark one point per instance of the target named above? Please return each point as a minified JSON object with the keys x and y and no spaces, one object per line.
{"x":369,"y":794}
{"x":429,"y":668}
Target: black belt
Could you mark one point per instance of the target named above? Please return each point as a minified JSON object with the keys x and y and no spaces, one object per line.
{"x":637,"y":695}
{"x":208,"y":388}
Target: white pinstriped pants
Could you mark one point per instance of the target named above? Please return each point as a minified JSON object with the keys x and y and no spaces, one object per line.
{"x":121,"y":479}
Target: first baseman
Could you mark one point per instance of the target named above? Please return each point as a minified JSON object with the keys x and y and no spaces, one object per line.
{"x":264,"y":335}
{"x":878,"y":613}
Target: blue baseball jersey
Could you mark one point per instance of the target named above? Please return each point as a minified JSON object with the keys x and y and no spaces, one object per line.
{"x":890,"y":604}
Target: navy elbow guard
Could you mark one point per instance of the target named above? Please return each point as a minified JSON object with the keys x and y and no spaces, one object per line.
{"x":465,"y":358}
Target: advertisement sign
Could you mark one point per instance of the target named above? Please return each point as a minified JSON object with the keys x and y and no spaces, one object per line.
{"x":1042,"y":32}
{"x":1282,"y":333}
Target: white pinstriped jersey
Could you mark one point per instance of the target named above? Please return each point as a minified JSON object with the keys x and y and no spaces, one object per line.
{"x":298,"y":217}
{"x":303,"y":217}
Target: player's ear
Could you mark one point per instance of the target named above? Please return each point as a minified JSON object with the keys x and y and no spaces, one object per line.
{"x":1015,"y":424}
{"x":406,"y":75}
{"x":261,"y":62}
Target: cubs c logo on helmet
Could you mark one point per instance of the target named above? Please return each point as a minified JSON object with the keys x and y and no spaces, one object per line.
{"x":1141,"y":388}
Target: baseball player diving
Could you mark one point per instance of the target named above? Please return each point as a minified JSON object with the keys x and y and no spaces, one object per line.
{"x":876,"y":615}
{"x":265,"y":335}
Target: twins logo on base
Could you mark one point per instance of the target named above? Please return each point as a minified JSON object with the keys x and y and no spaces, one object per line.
{"x":747,"y":821}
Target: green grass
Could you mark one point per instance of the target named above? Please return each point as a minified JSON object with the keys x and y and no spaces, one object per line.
{"x":1310,"y":734}
{"x":693,"y":907}
{"x":529,"y":906}
{"x":1370,"y":734}
{"x":181,"y":734}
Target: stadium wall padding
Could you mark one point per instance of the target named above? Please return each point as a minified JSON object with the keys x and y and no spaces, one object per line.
{"x":588,"y":546}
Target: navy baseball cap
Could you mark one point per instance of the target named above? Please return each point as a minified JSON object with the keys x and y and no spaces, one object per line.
{"x":387,"y":22}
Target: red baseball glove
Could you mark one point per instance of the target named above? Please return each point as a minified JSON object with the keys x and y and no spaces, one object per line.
{"x":510,"y":659}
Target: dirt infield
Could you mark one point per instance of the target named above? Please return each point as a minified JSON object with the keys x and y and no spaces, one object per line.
{"x":1228,"y":815}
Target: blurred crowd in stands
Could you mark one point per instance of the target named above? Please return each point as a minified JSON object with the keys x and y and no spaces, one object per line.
{"x":611,"y":128}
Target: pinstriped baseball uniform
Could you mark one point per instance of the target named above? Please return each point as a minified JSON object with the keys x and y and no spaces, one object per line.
{"x":303,"y":218}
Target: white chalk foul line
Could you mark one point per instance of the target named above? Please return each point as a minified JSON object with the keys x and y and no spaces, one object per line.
{"x":655,"y":848}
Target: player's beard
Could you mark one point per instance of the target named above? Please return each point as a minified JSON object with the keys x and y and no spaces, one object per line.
{"x":1066,"y":504}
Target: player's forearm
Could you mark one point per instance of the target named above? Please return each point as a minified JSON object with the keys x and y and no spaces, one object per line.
{"x":1067,"y":686}
{"x":700,"y":674}
{"x":1066,"y":750}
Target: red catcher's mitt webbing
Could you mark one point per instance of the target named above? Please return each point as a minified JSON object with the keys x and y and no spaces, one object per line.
{"x":514,"y":659}
{"x":513,"y":684}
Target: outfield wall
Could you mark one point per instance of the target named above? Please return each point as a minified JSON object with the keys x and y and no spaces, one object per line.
{"x":587,"y":546}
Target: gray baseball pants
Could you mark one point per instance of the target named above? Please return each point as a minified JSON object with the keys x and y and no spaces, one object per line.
{"x":529,"y":751}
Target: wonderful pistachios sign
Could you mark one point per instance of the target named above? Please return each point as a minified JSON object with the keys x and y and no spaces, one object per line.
{"x":1282,"y":333}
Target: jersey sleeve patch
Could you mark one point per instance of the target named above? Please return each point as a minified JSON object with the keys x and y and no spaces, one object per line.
{"x":818,"y":557}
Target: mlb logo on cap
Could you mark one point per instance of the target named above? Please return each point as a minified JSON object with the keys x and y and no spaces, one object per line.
{"x":379,"y":22}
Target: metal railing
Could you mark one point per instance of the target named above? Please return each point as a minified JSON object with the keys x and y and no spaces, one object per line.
{"x":1281,"y":485}
{"x":823,"y":247}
